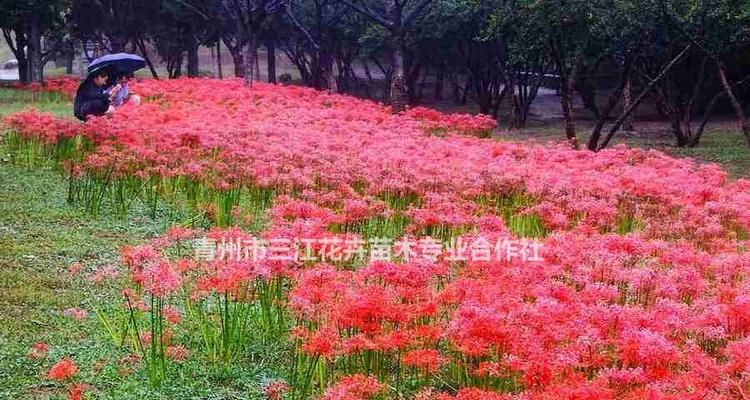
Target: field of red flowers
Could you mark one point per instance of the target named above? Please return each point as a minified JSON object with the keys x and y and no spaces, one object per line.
{"x":409,"y":256}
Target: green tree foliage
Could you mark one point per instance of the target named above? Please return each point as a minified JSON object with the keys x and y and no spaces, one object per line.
{"x":23,"y":23}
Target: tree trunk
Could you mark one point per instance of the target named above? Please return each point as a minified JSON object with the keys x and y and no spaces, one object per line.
{"x":627,"y":100}
{"x":567,"y":85}
{"x":347,"y":78}
{"x":455,"y":88}
{"x":248,"y":54}
{"x":18,"y":49}
{"x":464,"y":93}
{"x":439,"y":82}
{"x":614,"y":98}
{"x":256,"y":63}
{"x":399,"y":93}
{"x":679,"y":133}
{"x":217,"y":67}
{"x":238,"y":59}
{"x":366,"y":69}
{"x":151,"y":66}
{"x":516,"y":103}
{"x":333,"y":85}
{"x":398,"y":89}
{"x":193,"y":67}
{"x":412,"y":71}
{"x":736,"y":106}
{"x":144,"y":53}
{"x":100,"y":48}
{"x":482,"y":97}
{"x":83,"y":61}
{"x":70,"y":55}
{"x":420,"y":90}
{"x":588,"y":95}
{"x":117,"y":44}
{"x":174,"y":66}
{"x":566,"y":88}
{"x":708,"y":110}
{"x":271,"y":50}
{"x":23,"y":70}
{"x":649,"y":87}
{"x":36,"y":73}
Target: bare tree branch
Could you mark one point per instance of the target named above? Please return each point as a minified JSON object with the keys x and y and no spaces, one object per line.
{"x":193,"y":8}
{"x":641,"y":96}
{"x":364,"y":10}
{"x":302,"y":29}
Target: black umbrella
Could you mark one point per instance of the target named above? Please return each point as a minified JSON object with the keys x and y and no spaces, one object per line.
{"x":120,"y":63}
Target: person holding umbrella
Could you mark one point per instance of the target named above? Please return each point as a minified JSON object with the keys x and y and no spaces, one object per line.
{"x":91,"y":97}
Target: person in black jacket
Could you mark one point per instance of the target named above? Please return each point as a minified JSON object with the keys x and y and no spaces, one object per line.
{"x":91,"y":98}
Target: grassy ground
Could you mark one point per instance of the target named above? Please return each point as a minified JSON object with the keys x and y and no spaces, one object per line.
{"x":723,"y":144}
{"x":726,"y":147}
{"x":41,"y":236}
{"x":14,"y":100}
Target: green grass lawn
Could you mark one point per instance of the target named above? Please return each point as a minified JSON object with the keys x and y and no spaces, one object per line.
{"x":728,"y":148}
{"x":41,"y":236}
{"x":12,"y":100}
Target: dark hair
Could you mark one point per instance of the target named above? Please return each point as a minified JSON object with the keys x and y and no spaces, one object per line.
{"x":127,"y":76}
{"x":101,"y":73}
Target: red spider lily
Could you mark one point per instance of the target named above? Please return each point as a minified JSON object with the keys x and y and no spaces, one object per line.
{"x":322,"y":343}
{"x":38,"y":351}
{"x":274,"y":390}
{"x":642,"y":291}
{"x":74,"y":268}
{"x":178,"y":353}
{"x":172,"y":315}
{"x":428,"y":360}
{"x":463,"y":394}
{"x":104,"y":274}
{"x":76,"y":313}
{"x":354,"y":387}
{"x":62,"y":370}
{"x":161,"y":278}
{"x":76,"y":391}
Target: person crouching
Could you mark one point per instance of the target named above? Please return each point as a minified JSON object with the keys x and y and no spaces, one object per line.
{"x":91,"y":98}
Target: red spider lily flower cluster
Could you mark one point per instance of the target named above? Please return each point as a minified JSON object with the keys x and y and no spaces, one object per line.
{"x":274,"y":390}
{"x":63,"y":369}
{"x":77,"y":391}
{"x":43,"y":127}
{"x":354,"y":387}
{"x":76,"y":313}
{"x":641,"y":293}
{"x":38,"y":351}
{"x":66,"y":85}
